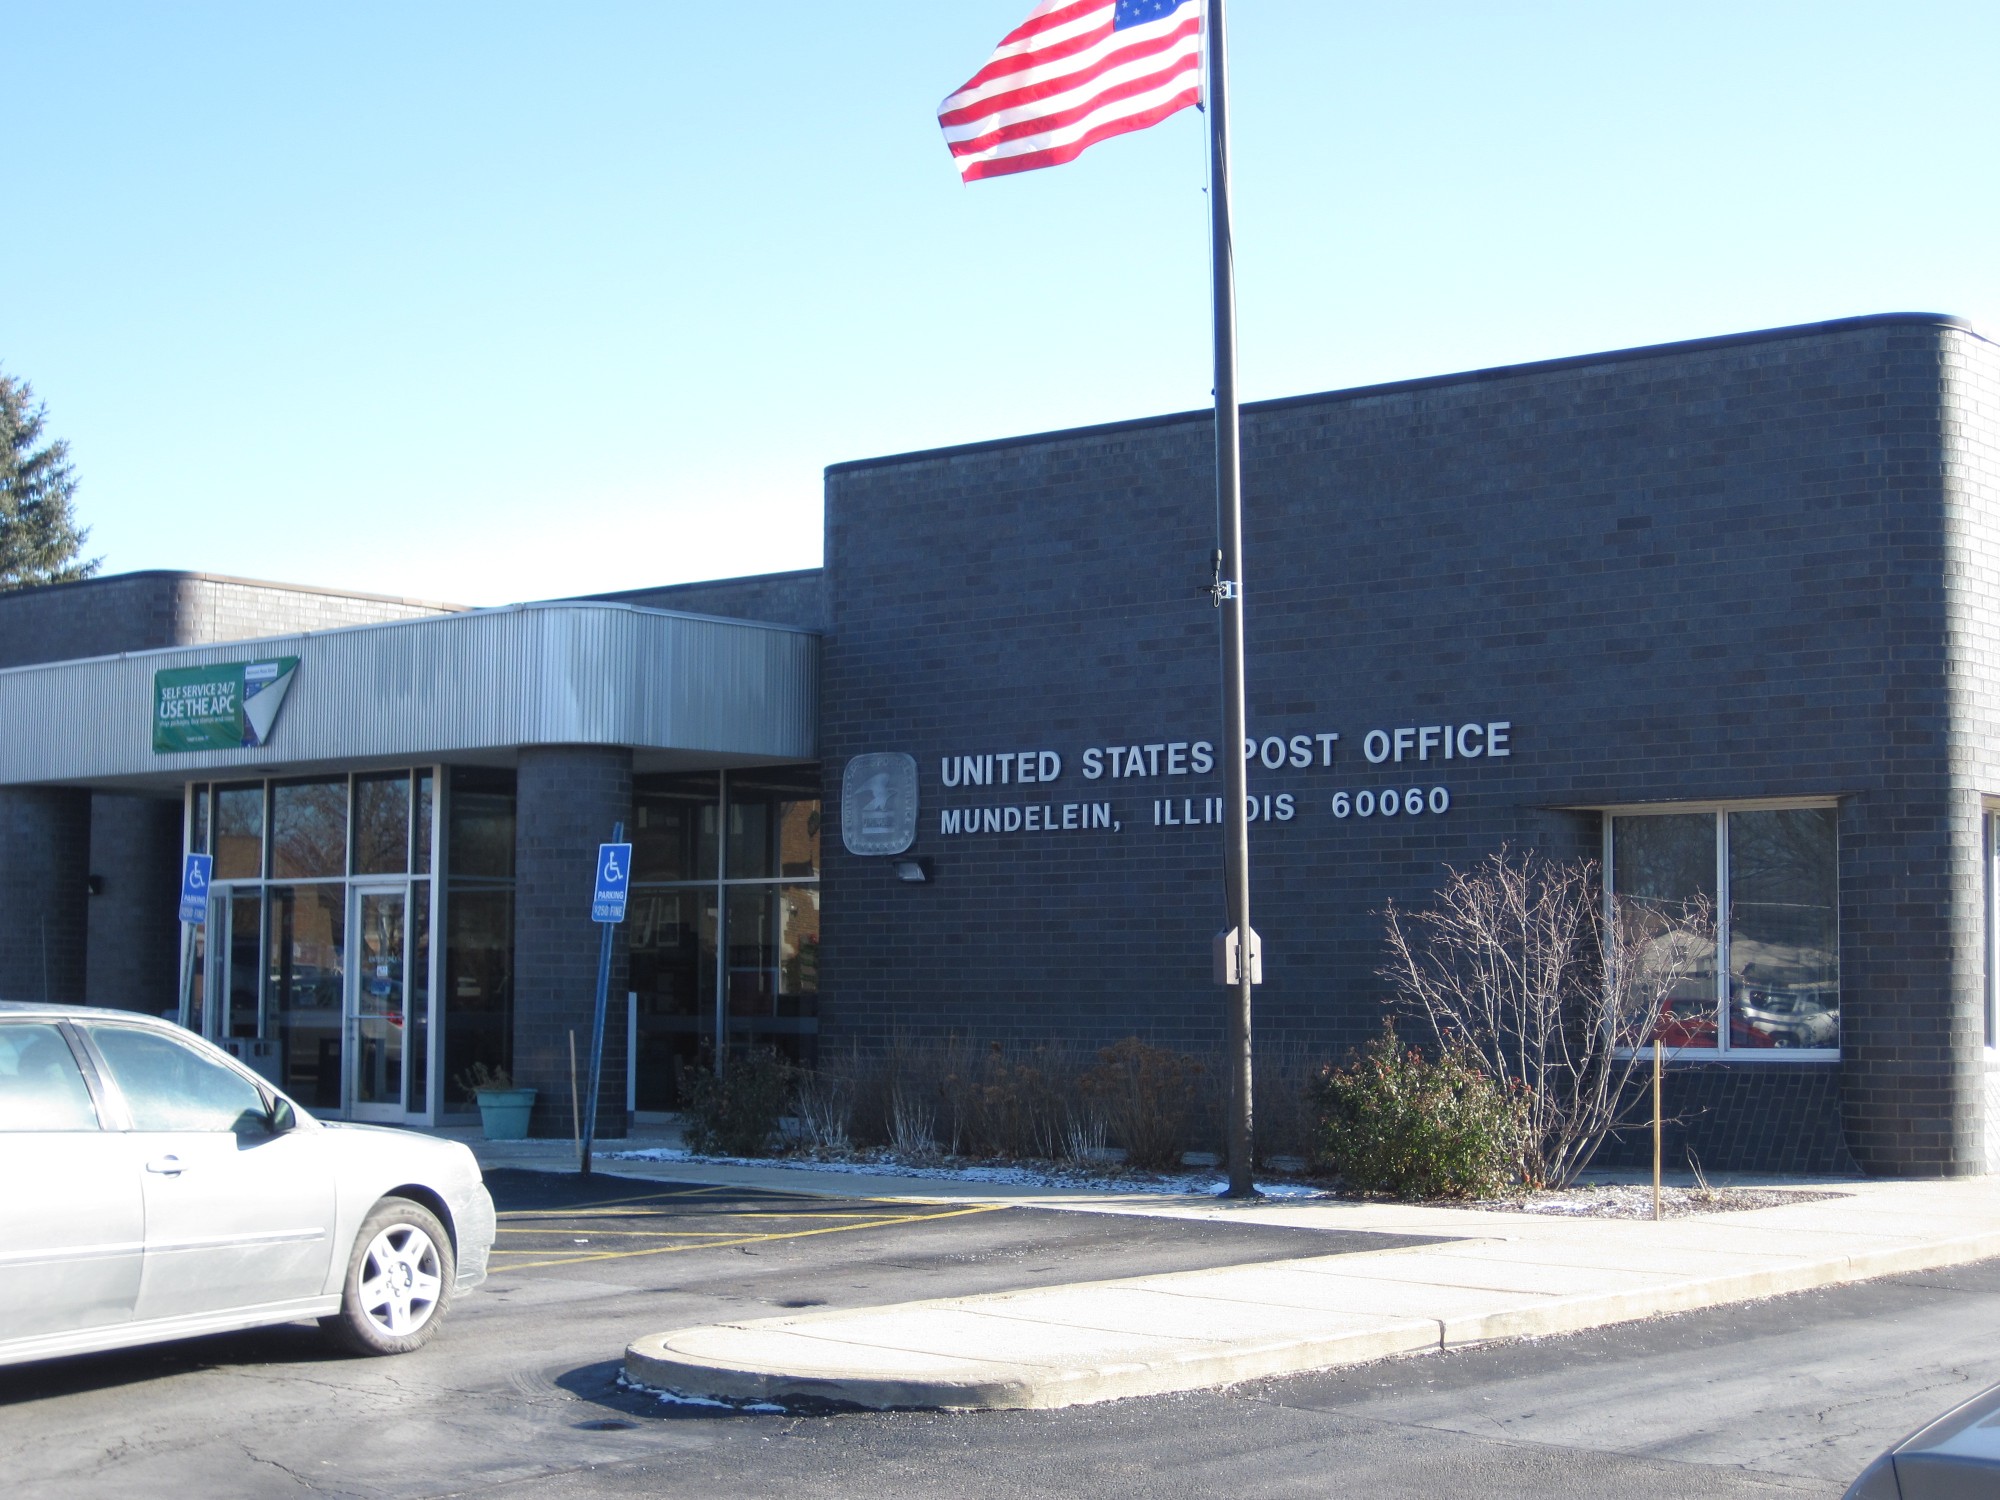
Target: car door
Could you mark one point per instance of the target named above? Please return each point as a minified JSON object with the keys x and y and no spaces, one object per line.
{"x":72,"y":1230}
{"x":237,"y":1216}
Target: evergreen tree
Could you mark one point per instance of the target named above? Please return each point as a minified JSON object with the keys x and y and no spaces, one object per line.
{"x":40,"y":541}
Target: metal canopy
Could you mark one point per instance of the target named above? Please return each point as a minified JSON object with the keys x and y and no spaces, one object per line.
{"x":680,"y":690}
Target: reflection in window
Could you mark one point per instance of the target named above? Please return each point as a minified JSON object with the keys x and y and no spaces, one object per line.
{"x":1777,"y":932}
{"x":480,"y":841}
{"x":673,"y":828}
{"x":774,"y":950}
{"x":308,"y":829}
{"x":40,"y":1087}
{"x":171,"y":1087}
{"x":422,"y":864}
{"x":239,"y":832}
{"x":1659,"y":864}
{"x":382,"y":824}
{"x":478,"y":983}
{"x":305,"y":986}
{"x":1784,"y":966}
{"x":773,"y":824}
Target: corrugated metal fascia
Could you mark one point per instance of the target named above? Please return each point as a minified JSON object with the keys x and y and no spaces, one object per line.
{"x":534,"y":675}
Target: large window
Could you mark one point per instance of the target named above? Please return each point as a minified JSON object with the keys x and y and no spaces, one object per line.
{"x":723,"y":927}
{"x":1770,"y":982}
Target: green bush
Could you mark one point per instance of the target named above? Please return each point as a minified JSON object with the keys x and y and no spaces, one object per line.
{"x":1391,"y":1120}
{"x":737,"y":1114}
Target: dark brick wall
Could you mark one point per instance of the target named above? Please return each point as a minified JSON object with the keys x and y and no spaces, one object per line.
{"x":143,"y":611}
{"x":783,"y":598}
{"x":134,"y":944}
{"x":570,"y":796}
{"x":44,"y":867}
{"x":1740,"y":1116}
{"x":1708,"y":571}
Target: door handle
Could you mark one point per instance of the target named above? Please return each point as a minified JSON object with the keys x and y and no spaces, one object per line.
{"x":166,"y":1166}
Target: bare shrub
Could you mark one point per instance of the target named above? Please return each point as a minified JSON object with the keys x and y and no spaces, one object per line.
{"x":1149,"y":1097}
{"x":1017,"y":1105}
{"x":1521,"y":961}
{"x":823,"y":1110}
{"x":913,"y":1124}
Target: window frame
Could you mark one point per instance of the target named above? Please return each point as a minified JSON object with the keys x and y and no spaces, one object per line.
{"x":1721,"y":810}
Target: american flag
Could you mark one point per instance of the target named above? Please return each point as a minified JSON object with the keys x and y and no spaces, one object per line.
{"x":1072,"y":74}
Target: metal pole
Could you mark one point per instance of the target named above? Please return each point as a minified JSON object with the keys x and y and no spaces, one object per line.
{"x":1229,"y":599}
{"x":1656,"y":1130}
{"x":597,"y":1030}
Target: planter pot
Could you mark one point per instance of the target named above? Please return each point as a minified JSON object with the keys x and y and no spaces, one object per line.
{"x":505,"y":1112}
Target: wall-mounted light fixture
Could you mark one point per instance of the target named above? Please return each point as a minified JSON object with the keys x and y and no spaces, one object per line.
{"x":917,"y":871}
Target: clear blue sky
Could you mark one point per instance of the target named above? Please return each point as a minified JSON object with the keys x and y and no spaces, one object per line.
{"x":494,"y":301}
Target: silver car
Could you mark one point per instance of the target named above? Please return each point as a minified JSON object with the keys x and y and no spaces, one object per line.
{"x":153,"y":1188}
{"x":1956,"y":1457}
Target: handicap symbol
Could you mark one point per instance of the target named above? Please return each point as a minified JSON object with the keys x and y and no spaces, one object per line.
{"x":612,"y":874}
{"x":196,"y":880}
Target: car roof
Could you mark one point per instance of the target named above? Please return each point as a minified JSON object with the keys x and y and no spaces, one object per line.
{"x":75,"y":1012}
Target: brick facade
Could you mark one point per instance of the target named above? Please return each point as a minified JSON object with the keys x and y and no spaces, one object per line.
{"x":44,"y":893}
{"x":1741,"y":568}
{"x":570,"y":798}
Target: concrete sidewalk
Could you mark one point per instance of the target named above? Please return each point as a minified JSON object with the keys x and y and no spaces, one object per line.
{"x":1502,"y":1275}
{"x":1499,"y":1275}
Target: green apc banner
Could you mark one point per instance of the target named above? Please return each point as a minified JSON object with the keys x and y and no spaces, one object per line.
{"x":227,"y":706}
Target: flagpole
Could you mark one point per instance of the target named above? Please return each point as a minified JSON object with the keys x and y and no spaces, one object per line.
{"x":1229,"y":599}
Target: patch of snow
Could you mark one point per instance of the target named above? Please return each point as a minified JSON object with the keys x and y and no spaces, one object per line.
{"x":1175,"y":1184}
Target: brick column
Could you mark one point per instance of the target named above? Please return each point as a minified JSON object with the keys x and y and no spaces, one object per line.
{"x":570,"y":796}
{"x":135,"y":932}
{"x":44,"y":900}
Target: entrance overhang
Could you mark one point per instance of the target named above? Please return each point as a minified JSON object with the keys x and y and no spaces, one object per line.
{"x":679,"y":690}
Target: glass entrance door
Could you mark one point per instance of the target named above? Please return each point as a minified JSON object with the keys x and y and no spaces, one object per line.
{"x":228,"y":994}
{"x":378,"y":1002}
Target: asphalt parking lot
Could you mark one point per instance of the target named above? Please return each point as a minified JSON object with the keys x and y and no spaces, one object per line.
{"x":850,"y":1251}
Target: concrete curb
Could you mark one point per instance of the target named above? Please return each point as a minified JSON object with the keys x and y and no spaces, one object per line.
{"x":1104,"y":1341}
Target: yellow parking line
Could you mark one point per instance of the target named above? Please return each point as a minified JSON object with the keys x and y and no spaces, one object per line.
{"x":747,"y":1239}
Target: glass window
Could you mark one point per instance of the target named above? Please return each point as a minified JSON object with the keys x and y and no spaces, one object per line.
{"x":382,"y":824}
{"x":673,"y":828}
{"x":41,"y":1087}
{"x":198,"y":830}
{"x":774,"y":950}
{"x":239,"y":1017}
{"x":422,"y":863}
{"x":420,"y":993}
{"x":1777,"y":932}
{"x":308,"y":829}
{"x":1784,"y":961}
{"x":773,"y":824}
{"x":1661,"y":863}
{"x":478,"y":983}
{"x":670,"y":946}
{"x":239,"y":832}
{"x":169,"y":1086}
{"x":480,"y":841}
{"x":307,"y":957}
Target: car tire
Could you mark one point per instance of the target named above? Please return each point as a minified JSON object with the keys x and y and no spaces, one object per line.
{"x":398,"y":1282}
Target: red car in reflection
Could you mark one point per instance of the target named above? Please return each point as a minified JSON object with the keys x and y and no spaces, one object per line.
{"x":1696,"y":1028}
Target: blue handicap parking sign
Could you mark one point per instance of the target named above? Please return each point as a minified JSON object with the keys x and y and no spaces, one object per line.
{"x":614,"y":872}
{"x":195,"y":870}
